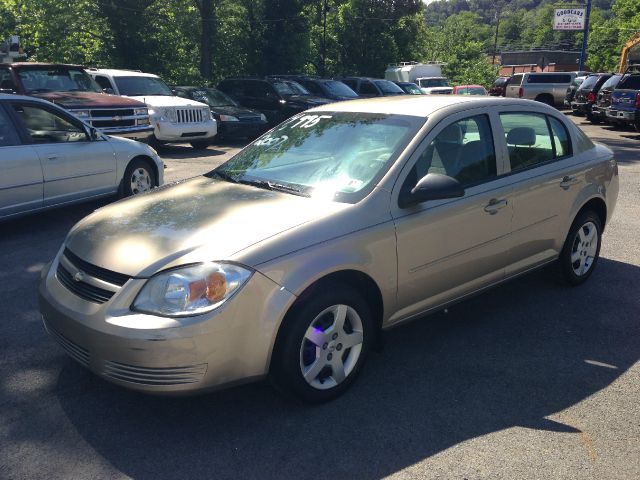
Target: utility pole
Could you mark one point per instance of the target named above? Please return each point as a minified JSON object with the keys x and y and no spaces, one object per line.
{"x":495,"y":40}
{"x":585,"y":36}
{"x":325,"y":7}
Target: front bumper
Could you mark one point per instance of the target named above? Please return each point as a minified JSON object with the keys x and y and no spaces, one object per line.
{"x":627,"y":116}
{"x":135,"y":133}
{"x":184,"y":132}
{"x":161,"y":355}
{"x":242,"y":129}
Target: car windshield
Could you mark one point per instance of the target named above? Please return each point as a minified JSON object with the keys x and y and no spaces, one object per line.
{"x":629,"y":82}
{"x":589,"y":82}
{"x":339,"y":89}
{"x":54,"y":79}
{"x":433,"y":82}
{"x":141,"y":86}
{"x":388,"y":87}
{"x":297,"y":88}
{"x":412,"y":88}
{"x":212,"y":97}
{"x":577,"y":82}
{"x":330,"y":155}
{"x":284,"y":89}
{"x":472,"y":91}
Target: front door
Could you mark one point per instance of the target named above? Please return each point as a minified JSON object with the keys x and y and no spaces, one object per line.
{"x":448,"y":248}
{"x":73,"y":165}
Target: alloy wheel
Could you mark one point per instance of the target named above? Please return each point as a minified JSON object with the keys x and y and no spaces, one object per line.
{"x":140,"y":180}
{"x":584,"y":249}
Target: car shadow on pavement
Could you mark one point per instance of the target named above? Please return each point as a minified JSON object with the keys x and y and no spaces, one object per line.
{"x":512,"y":356}
{"x":178,"y":152}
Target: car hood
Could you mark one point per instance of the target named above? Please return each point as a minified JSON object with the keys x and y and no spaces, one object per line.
{"x":201,"y":219}
{"x":88,"y":100}
{"x":168,"y":101}
{"x":238,"y":112}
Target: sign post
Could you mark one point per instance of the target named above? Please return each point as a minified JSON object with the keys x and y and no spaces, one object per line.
{"x":575,"y":19}
{"x":585,"y":35}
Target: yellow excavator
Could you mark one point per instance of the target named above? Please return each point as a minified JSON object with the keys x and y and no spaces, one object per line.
{"x":624,"y":55}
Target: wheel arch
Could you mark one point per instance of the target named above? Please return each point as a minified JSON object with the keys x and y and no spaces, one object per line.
{"x":541,"y":97}
{"x":145,"y":158}
{"x":599,"y":206}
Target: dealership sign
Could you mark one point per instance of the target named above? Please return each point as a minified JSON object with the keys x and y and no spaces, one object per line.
{"x":569,"y":19}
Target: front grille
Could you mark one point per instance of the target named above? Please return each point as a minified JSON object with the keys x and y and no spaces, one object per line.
{"x":82,"y":289}
{"x":155,"y":376}
{"x":100,"y":273}
{"x":113,"y":123}
{"x":123,"y":112}
{"x":75,"y":351}
{"x":189,"y":115}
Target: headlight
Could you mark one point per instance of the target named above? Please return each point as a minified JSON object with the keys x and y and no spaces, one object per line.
{"x":228,"y":118}
{"x":263,"y":117}
{"x":141,"y":111}
{"x":82,"y":113}
{"x":190,"y":290}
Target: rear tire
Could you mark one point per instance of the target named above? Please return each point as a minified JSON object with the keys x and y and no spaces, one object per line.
{"x":546,"y":99}
{"x":581,"y":249}
{"x":322,"y":344}
{"x":200,"y":144}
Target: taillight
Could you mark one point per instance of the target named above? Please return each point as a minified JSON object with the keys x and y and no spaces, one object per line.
{"x":591,"y":97}
{"x":638,"y":100}
{"x":520,"y":92}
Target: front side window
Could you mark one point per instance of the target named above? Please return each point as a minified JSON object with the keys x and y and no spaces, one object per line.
{"x":103,"y":82}
{"x":44,"y":126}
{"x":54,"y":79}
{"x":534,"y":138}
{"x":338,"y":88}
{"x":8,"y":134}
{"x":141,"y":86}
{"x":332,"y":155}
{"x":463,"y":150}
{"x":630,"y":81}
{"x":388,"y":87}
{"x":6,"y":82}
{"x":367,"y":88}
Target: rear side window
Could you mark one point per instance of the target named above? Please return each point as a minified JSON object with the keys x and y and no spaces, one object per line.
{"x":548,"y":78}
{"x":589,"y":83}
{"x":6,"y":82}
{"x":102,"y":81}
{"x":463,"y":150}
{"x":367,"y":88}
{"x":8,"y":134}
{"x":312,"y":87}
{"x":629,"y":82}
{"x":612,"y":82}
{"x":528,"y":139}
{"x":516,"y":80}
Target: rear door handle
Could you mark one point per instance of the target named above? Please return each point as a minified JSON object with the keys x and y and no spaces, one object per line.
{"x":494,"y":205}
{"x":52,"y":157}
{"x":567,"y":181}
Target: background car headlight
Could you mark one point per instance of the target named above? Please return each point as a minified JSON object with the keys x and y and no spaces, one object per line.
{"x":140,"y":111}
{"x":191,"y":290}
{"x":228,"y":118}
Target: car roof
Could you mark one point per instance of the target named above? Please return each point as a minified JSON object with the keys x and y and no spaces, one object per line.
{"x":121,"y":73}
{"x":44,"y":64}
{"x":421,"y":106}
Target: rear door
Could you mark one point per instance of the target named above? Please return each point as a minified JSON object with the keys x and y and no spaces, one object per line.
{"x":73,"y":166}
{"x":513,"y":87}
{"x":21,"y":179}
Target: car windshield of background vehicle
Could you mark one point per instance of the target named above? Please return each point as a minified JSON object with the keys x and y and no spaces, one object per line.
{"x":212,"y":97}
{"x":589,"y":82}
{"x":283,"y":89}
{"x":339,"y":89}
{"x":330,"y":155}
{"x":434,"y":82}
{"x":388,"y":87}
{"x":472,"y":91}
{"x":57,"y":80}
{"x":413,"y":89}
{"x":612,"y":82}
{"x":297,"y":88}
{"x":141,"y":86}
{"x":629,"y":82}
{"x":577,"y":81}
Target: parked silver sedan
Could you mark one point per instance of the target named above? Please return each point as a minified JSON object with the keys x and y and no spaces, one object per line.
{"x":289,"y":259}
{"x":49,"y":158}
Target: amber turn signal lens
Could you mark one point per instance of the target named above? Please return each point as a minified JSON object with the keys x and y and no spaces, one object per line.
{"x":216,"y":287}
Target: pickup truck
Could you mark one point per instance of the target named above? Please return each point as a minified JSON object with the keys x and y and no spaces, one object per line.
{"x":547,"y":87}
{"x":625,"y":100}
{"x":70,"y":87}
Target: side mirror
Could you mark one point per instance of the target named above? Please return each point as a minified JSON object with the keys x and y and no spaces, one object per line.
{"x":433,"y":186}
{"x":92,"y":133}
{"x":108,"y":91}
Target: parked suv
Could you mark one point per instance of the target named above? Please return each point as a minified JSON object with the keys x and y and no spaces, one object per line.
{"x":603,"y":101}
{"x":70,"y":87}
{"x":572,"y":89}
{"x":549,"y":88}
{"x":174,"y":119}
{"x":499,"y":87}
{"x":272,"y":96}
{"x":625,"y":100}
{"x":323,"y":87}
{"x":587,"y":94}
{"x":372,"y":87}
{"x":434,"y":85}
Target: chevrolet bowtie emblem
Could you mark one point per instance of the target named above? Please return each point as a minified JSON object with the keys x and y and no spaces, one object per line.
{"x":78,"y":276}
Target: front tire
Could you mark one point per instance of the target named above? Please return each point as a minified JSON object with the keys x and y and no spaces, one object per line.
{"x":581,"y":249}
{"x":139,"y":177}
{"x":323,"y":344}
{"x":200,"y":144}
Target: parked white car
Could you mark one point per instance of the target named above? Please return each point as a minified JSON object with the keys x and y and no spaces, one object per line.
{"x":50,"y":158}
{"x":175,"y":119}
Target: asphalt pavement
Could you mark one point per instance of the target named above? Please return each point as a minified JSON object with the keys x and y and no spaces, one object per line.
{"x":531,"y":380}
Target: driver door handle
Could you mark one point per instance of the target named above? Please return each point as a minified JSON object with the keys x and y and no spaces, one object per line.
{"x":494,"y":205}
{"x":567,"y":181}
{"x":52,"y":157}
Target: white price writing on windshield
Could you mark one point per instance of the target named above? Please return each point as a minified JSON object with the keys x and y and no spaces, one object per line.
{"x":308,"y":121}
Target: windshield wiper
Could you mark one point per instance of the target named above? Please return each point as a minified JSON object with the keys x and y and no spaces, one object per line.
{"x":279,"y":187}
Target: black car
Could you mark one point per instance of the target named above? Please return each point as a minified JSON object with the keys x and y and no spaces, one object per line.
{"x":233,"y":120}
{"x":573,"y":88}
{"x":410,"y":88}
{"x":603,"y":100}
{"x":277,"y":98}
{"x":324,"y":87}
{"x":587,"y":94}
{"x":499,"y":87}
{"x":372,"y":87}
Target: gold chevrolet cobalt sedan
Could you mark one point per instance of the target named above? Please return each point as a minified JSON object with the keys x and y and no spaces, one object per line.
{"x":289,"y":259}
